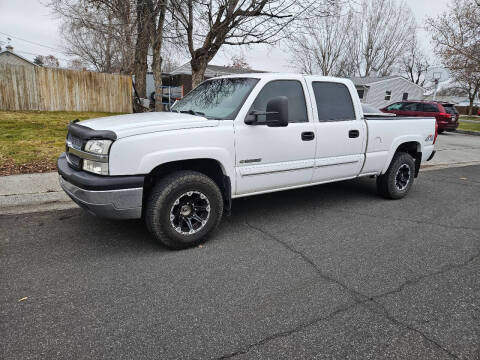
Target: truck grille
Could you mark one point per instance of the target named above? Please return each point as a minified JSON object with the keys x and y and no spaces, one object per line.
{"x":74,"y":161}
{"x":75,"y":141}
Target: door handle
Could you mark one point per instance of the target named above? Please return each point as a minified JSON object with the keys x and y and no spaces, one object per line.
{"x":308,"y":136}
{"x":353,"y":133}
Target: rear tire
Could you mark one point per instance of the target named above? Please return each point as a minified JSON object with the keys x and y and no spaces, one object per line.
{"x":397,"y":181}
{"x":183,"y":209}
{"x":440,"y":131}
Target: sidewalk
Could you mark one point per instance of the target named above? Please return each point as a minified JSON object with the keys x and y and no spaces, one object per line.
{"x":32,"y":192}
{"x":42,"y":192}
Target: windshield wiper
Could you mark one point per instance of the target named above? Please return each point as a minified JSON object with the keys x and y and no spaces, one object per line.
{"x":192,"y":112}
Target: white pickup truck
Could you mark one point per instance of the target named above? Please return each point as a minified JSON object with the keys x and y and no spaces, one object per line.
{"x":236,"y":136}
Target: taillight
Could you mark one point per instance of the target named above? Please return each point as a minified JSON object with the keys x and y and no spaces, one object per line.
{"x":436,"y":132}
{"x":445,"y":116}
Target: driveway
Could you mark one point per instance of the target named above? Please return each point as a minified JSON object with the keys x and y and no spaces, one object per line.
{"x":455,"y":148}
{"x":327,"y":272}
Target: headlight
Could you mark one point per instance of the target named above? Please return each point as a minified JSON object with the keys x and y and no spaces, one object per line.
{"x":98,"y":146}
{"x":96,"y":167}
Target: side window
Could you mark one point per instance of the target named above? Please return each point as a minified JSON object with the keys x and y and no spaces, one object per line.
{"x":412,"y":106}
{"x":293,"y":90}
{"x":334,"y":102}
{"x":430,"y":108}
{"x":396,"y":106}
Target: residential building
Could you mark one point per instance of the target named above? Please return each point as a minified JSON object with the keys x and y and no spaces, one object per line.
{"x":382,"y":91}
{"x":9,"y":57}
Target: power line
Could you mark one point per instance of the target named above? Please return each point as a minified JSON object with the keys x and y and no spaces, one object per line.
{"x":32,"y":42}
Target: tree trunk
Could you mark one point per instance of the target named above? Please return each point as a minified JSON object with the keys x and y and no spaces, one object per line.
{"x":157,"y":41}
{"x":470,"y":106}
{"x":198,"y":70}
{"x":141,"y":48}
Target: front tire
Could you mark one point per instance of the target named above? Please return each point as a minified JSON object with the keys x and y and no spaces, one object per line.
{"x":397,"y":181}
{"x":183,"y":209}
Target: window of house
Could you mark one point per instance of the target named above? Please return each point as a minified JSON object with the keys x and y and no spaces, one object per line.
{"x":388,"y":95}
{"x":334,"y":102}
{"x":405,"y":96}
{"x":293,"y":90}
{"x":361,"y":93}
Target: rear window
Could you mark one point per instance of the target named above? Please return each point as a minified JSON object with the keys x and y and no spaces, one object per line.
{"x":334,"y":102}
{"x":450,"y":109}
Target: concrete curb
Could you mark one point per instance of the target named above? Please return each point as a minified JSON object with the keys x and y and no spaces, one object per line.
{"x":468,"y":132}
{"x":27,"y":203}
{"x":13,"y":204}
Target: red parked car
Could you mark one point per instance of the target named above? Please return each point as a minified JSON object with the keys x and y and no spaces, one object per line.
{"x":445,"y":113}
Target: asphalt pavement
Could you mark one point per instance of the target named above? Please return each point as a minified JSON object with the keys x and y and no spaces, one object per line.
{"x":329,"y":272}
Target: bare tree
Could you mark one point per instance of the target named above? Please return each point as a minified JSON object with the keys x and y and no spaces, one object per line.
{"x":381,"y":36}
{"x":99,"y":32}
{"x":49,"y":61}
{"x":363,"y":39}
{"x":76,"y":64}
{"x":239,"y":62}
{"x":456,"y":34}
{"x":320,"y":45}
{"x":415,"y":64}
{"x":206,"y":26}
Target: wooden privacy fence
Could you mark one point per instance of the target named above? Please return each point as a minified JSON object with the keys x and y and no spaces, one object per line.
{"x":47,"y":89}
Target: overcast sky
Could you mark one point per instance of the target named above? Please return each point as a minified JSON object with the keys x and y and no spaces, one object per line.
{"x":34,"y":30}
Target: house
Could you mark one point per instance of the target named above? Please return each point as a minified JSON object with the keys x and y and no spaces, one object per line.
{"x":9,"y":57}
{"x":453,"y":99}
{"x":382,"y":91}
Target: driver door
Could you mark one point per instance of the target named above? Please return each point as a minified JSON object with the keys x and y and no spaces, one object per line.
{"x":269,"y":158}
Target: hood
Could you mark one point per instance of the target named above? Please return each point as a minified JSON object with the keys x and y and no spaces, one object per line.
{"x":144,"y":123}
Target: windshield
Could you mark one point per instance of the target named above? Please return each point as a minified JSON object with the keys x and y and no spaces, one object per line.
{"x":217,"y":98}
{"x":450,"y":109}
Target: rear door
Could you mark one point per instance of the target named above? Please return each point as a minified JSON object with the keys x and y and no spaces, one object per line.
{"x":411,"y":109}
{"x":430,"y":110}
{"x":340,"y":131}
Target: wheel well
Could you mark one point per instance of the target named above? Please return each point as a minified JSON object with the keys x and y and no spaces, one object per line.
{"x":412,"y":148}
{"x":210,"y":167}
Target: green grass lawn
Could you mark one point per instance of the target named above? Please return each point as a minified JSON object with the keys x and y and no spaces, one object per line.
{"x":30,"y":141}
{"x":469,"y":126}
{"x":468,"y":117}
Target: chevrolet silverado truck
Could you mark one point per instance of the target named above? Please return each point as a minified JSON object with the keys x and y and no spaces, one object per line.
{"x":231,"y":137}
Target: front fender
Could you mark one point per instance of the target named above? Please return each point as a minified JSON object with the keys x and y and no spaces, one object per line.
{"x":152,"y":160}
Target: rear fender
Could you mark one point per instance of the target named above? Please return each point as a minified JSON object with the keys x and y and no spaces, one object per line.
{"x":397,"y":142}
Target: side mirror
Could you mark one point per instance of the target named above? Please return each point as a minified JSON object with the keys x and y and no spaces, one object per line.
{"x":276,"y":113}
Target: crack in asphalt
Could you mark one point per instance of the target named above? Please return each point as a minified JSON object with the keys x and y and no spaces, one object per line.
{"x":287,"y":333}
{"x":358,"y":298}
{"x":376,"y":216}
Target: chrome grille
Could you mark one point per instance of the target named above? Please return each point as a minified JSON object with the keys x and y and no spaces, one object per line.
{"x":74,"y":142}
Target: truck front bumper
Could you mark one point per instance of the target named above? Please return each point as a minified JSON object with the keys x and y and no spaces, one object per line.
{"x":118,"y":197}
